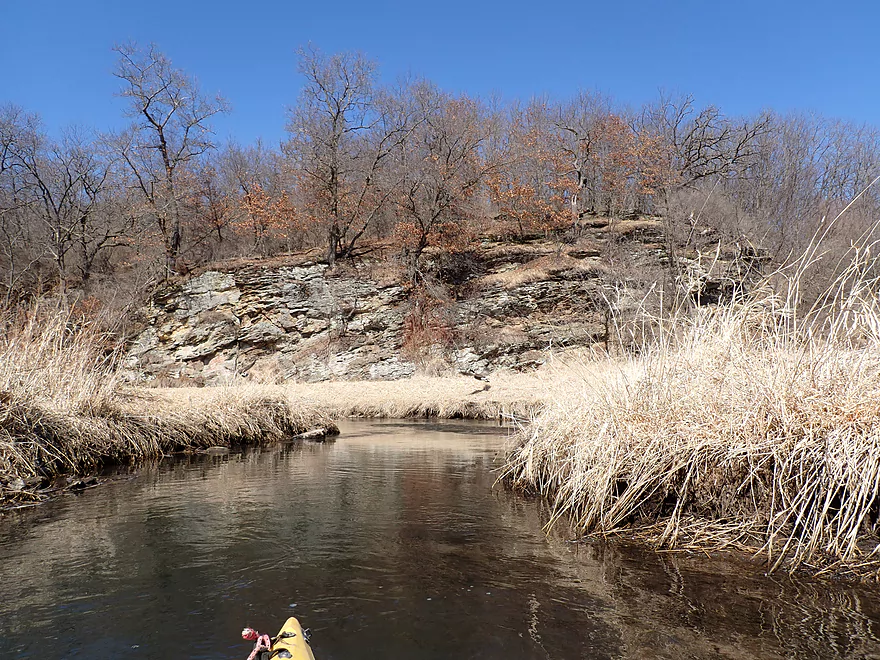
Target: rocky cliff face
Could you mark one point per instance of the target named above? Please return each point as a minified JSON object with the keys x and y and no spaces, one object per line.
{"x":506,"y":306}
{"x":276,"y":323}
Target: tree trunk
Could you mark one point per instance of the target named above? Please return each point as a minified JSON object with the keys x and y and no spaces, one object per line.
{"x":332,"y":245}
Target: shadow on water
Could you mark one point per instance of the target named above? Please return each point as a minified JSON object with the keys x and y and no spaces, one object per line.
{"x":391,"y":542}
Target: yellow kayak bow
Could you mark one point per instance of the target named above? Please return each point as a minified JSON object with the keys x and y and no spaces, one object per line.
{"x":291,"y":642}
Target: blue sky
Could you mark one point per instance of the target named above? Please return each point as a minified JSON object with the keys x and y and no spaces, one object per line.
{"x":742,"y":55}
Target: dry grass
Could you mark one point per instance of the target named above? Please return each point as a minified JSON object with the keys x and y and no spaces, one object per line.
{"x":630,"y":227}
{"x":63,"y":410}
{"x":505,"y":395}
{"x":509,"y":396}
{"x":543,"y":269}
{"x":753,"y":426}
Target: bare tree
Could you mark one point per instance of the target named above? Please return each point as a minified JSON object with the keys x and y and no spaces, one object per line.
{"x":579,"y":128}
{"x":70,"y":181}
{"x":442,"y":168}
{"x":170,"y":130}
{"x":526,"y":169}
{"x":703,"y":143}
{"x":109,"y":221}
{"x":343,"y":130}
{"x":807,"y":168}
{"x":20,"y":253}
{"x":256,"y":177}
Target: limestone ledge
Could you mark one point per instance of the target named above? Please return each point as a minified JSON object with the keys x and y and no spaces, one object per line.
{"x":305,"y":323}
{"x":510,"y":306}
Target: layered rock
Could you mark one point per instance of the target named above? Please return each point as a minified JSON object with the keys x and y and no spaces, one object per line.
{"x":509,"y":306}
{"x":278,"y":323}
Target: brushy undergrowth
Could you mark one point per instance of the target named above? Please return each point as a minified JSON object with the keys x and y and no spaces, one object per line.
{"x":754,"y":425}
{"x":64,"y":409}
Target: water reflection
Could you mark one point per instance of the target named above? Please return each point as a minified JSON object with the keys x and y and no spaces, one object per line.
{"x":390,"y":542}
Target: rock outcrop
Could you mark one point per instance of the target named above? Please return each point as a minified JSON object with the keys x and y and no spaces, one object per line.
{"x":507,"y":305}
{"x":275,"y":323}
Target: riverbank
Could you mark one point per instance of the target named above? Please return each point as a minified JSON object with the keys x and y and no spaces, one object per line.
{"x":65,"y":412}
{"x":506,"y":396}
{"x":741,"y":428}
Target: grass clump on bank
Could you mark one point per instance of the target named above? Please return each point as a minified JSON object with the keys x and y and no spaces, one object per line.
{"x":753,"y":426}
{"x":64,"y":410}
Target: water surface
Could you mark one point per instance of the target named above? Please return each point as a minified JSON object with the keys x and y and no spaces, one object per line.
{"x":392,"y":542}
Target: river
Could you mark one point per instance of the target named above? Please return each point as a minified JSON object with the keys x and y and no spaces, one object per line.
{"x":393,"y":542}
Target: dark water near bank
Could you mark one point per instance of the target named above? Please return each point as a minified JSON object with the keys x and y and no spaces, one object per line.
{"x":391,"y":543}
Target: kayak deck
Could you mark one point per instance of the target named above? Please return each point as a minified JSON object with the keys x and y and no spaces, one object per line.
{"x":291,"y":642}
